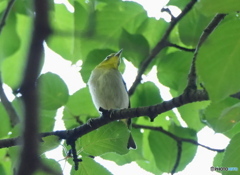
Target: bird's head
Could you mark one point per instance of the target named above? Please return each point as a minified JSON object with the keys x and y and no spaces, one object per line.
{"x":111,"y":61}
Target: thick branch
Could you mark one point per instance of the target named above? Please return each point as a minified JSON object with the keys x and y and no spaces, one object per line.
{"x":151,"y":111}
{"x":29,"y":160}
{"x":160,"y":45}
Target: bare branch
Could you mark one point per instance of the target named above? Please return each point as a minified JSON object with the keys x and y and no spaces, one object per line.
{"x":160,"y":45}
{"x":29,"y":160}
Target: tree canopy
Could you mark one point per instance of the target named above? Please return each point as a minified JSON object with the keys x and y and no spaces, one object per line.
{"x":196,"y":55}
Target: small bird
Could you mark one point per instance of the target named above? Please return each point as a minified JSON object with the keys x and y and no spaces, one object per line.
{"x":108,"y":89}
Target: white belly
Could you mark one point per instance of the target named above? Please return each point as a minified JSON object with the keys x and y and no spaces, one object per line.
{"x":108,"y":90}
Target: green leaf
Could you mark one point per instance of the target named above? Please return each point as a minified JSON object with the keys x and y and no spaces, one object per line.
{"x":214,"y":111}
{"x":231,"y":157}
{"x":218,"y":6}
{"x":8,"y":35}
{"x":48,"y":143}
{"x":137,"y":48}
{"x":5,"y":122}
{"x":53,"y":91}
{"x":164,"y":148}
{"x":62,"y":21}
{"x":228,"y":118}
{"x":89,"y":167}
{"x":145,"y":95}
{"x":12,"y":67}
{"x":217,"y":162}
{"x":190,"y":114}
{"x":218,"y":61}
{"x":112,"y":137}
{"x":51,"y":163}
{"x":179,"y":3}
{"x":47,"y":120}
{"x":195,"y":21}
{"x":105,"y":28}
{"x":152,"y":30}
{"x":132,"y":155}
{"x":173,"y":70}
{"x":79,"y":109}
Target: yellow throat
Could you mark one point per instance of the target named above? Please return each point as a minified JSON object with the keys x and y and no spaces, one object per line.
{"x":111,"y":61}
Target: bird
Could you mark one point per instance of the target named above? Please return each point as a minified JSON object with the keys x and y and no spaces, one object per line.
{"x":108,"y":89}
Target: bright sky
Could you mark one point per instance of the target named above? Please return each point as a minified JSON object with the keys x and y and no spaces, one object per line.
{"x":70,"y":74}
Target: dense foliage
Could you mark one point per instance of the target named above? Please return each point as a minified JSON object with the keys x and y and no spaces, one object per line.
{"x":99,"y":27}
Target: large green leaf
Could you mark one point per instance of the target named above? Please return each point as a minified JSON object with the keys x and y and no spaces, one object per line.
{"x":12,"y":68}
{"x":145,"y":95}
{"x":48,"y":143}
{"x":53,"y":91}
{"x":9,"y":38}
{"x":136,"y":47}
{"x":218,"y":60}
{"x":173,"y":70}
{"x":190,"y":113}
{"x":89,"y":167}
{"x":63,"y":25}
{"x":51,"y":163}
{"x":192,"y":26}
{"x":132,"y":155}
{"x":152,"y":29}
{"x":215,"y":113}
{"x":106,"y":28}
{"x":47,"y":118}
{"x":231,"y":157}
{"x":219,"y":6}
{"x":112,"y":137}
{"x":164,"y":148}
{"x":79,"y":109}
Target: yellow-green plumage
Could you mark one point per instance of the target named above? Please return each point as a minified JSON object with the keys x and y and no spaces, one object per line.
{"x":108,"y":89}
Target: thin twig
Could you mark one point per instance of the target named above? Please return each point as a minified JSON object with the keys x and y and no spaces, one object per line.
{"x":160,"y":45}
{"x":178,"y":158}
{"x":14,"y":118}
{"x":29,"y":160}
{"x":180,"y":47}
{"x":192,"y":76}
{"x":5,"y":14}
{"x":160,"y":129}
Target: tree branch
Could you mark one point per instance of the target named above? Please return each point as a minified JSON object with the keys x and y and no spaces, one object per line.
{"x":176,"y":138}
{"x":180,"y":47}
{"x":14,"y":118}
{"x":5,"y":14}
{"x":178,"y":158}
{"x":160,"y":45}
{"x":192,"y":77}
{"x":113,"y":115}
{"x":29,"y":160}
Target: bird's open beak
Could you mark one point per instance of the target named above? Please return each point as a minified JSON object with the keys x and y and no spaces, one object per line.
{"x":118,"y":54}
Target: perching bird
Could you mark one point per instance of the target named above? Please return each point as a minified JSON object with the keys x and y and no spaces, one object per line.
{"x":108,"y":89}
